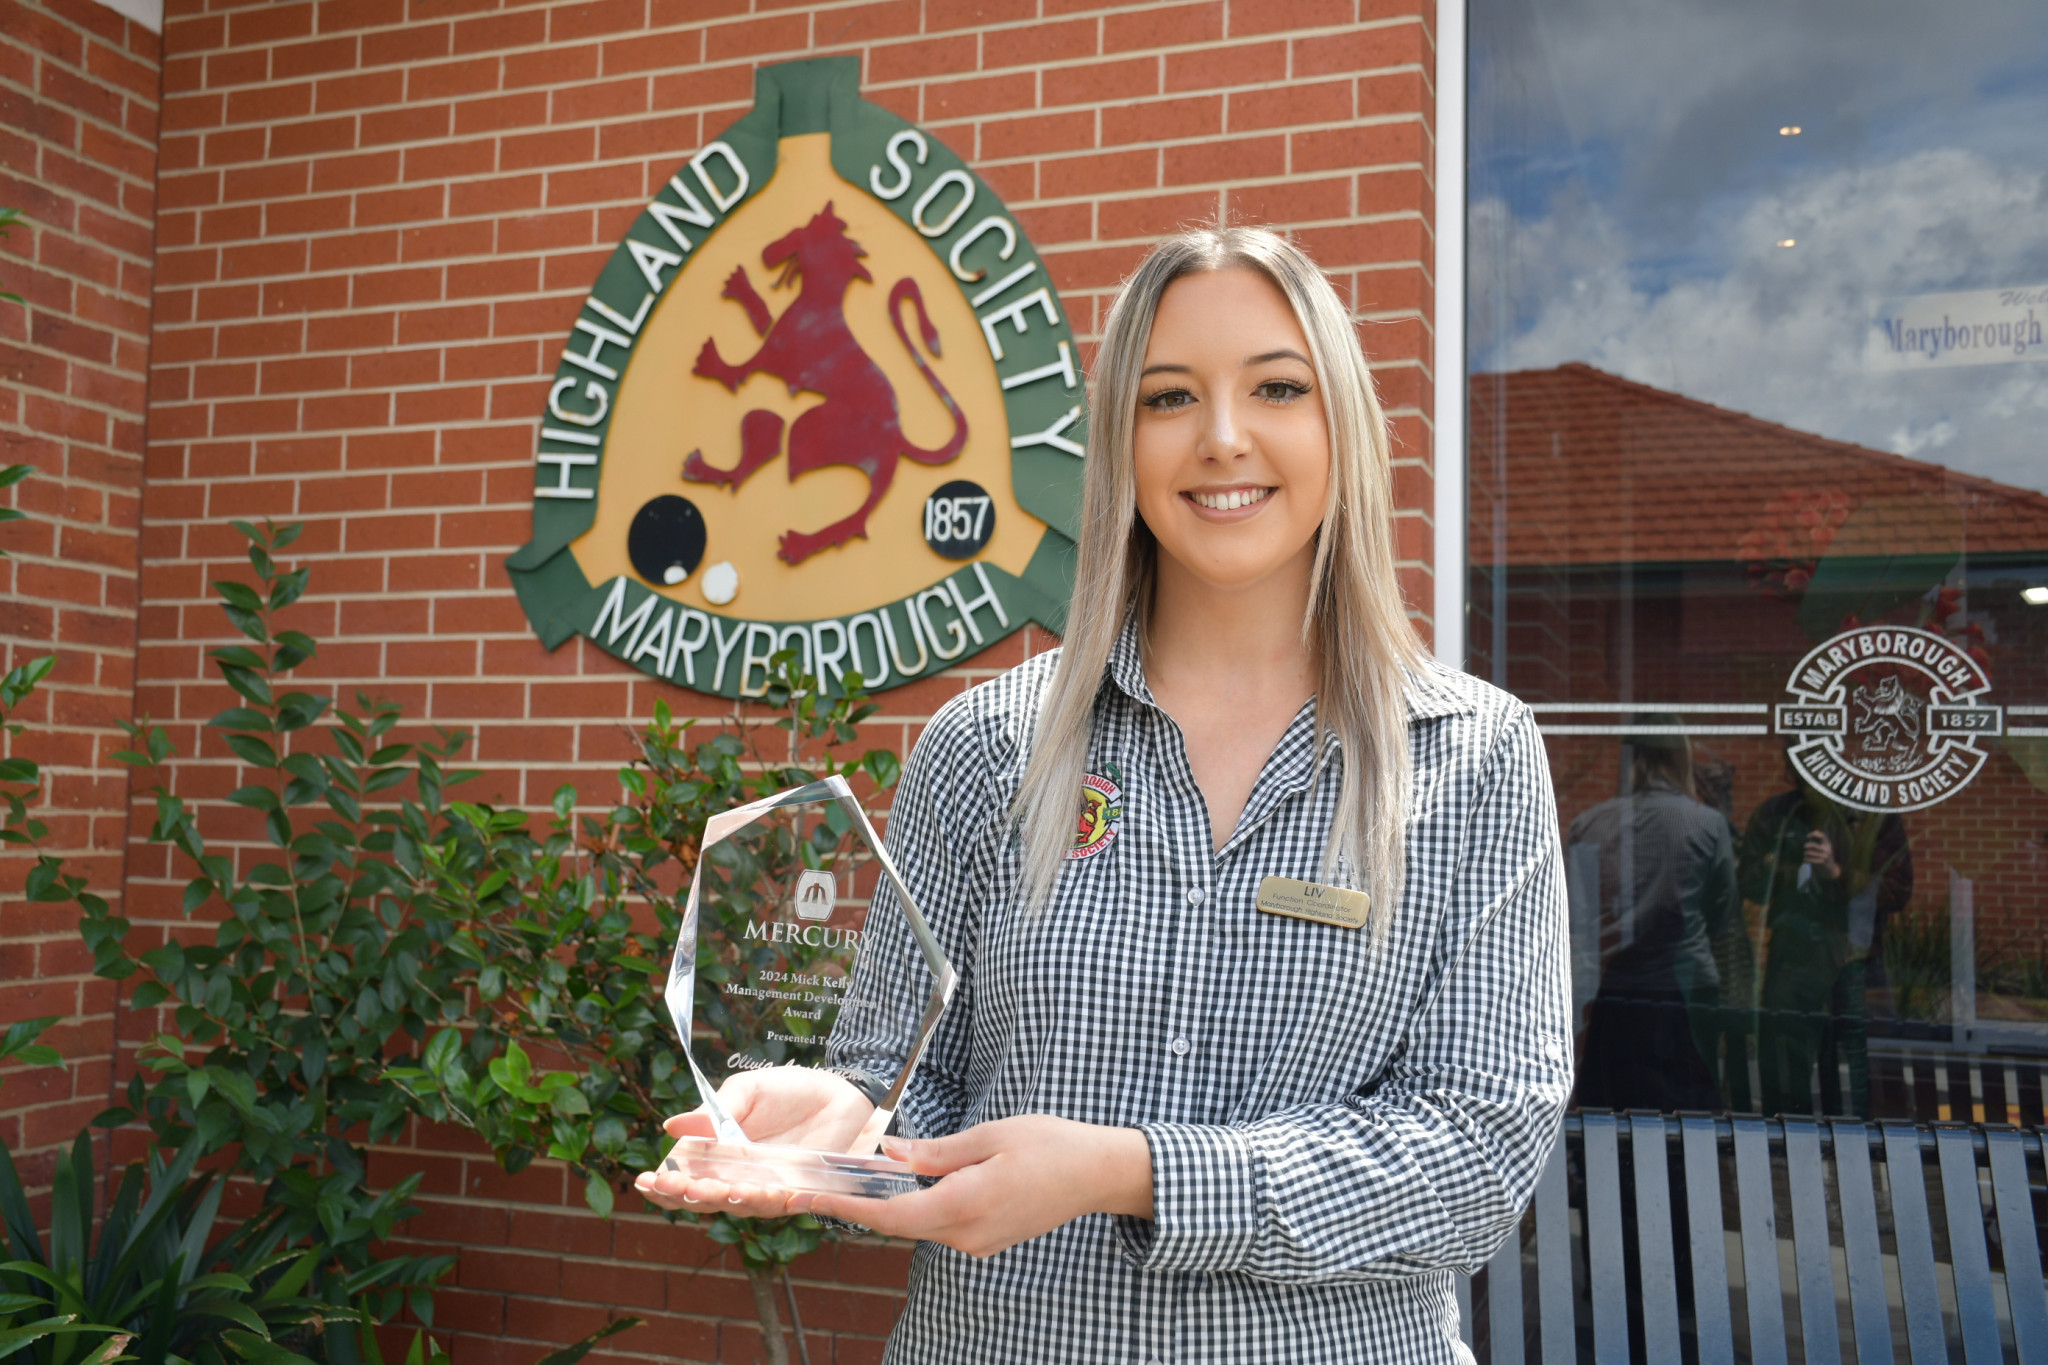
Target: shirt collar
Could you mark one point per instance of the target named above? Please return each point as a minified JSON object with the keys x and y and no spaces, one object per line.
{"x":1430,"y":696}
{"x":1127,"y":664}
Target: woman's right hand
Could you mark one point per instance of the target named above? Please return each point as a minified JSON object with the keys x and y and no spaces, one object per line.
{"x":789,"y":1106}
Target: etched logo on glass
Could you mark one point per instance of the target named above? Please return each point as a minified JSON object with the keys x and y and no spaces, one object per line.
{"x":1889,"y":718}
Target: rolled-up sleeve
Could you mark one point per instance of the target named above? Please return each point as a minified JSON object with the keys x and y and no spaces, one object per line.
{"x":1429,"y":1163}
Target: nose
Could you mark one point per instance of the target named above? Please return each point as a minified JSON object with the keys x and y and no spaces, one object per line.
{"x":1222,"y":432}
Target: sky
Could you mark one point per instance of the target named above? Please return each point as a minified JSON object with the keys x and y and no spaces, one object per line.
{"x":1629,"y":190}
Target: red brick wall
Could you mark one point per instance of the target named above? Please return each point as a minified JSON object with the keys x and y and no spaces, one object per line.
{"x":378,"y":220}
{"x":78,"y":130}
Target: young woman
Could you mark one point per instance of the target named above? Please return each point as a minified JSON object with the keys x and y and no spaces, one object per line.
{"x":1181,"y":1113}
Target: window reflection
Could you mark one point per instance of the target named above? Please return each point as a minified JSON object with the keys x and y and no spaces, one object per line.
{"x":1758,"y":526}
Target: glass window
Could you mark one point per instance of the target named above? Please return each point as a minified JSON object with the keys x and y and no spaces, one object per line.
{"x":1759,"y":525}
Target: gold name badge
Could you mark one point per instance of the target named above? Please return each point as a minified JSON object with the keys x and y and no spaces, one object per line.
{"x":1314,"y":901}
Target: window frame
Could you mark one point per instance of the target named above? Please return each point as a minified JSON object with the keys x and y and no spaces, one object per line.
{"x":1448,"y":447}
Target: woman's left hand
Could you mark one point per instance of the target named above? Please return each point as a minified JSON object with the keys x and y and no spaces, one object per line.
{"x":1006,"y":1182}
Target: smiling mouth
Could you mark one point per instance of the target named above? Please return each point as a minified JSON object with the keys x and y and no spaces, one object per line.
{"x":1229,"y":499}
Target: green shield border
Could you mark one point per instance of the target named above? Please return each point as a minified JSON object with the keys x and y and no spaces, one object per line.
{"x":977,"y":603}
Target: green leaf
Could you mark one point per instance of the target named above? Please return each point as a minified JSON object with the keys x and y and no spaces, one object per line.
{"x":512,"y":1069}
{"x":167,"y":959}
{"x":442,"y":1052}
{"x":248,"y":682}
{"x":254,"y":797}
{"x":250,"y":749}
{"x":597,"y":1192}
{"x":238,"y":595}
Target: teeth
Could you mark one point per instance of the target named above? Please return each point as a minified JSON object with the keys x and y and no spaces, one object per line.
{"x":1235,"y":498}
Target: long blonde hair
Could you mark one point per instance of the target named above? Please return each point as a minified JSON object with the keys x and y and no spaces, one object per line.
{"x":1355,"y":613}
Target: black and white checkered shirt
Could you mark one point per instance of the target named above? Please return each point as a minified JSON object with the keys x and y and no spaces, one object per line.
{"x":1333,"y":1128}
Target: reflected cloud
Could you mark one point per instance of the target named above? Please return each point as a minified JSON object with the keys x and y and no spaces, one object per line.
{"x":1786,"y":334}
{"x":1640,"y":202}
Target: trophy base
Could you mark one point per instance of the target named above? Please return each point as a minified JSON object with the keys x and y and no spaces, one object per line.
{"x":798,"y":1170}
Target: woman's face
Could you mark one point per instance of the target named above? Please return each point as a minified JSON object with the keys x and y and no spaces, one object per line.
{"x":1231,"y":444}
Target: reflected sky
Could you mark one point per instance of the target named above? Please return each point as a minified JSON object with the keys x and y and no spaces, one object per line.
{"x":1630,"y":191}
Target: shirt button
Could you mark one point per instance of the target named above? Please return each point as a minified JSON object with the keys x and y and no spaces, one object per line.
{"x":1196,"y":895}
{"x":1551,"y":1050}
{"x":1180,"y":1047}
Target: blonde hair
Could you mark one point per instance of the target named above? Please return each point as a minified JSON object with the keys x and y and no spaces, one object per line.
{"x":1355,"y":613}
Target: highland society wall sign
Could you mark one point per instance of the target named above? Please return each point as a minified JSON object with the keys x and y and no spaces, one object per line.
{"x":821,"y":398}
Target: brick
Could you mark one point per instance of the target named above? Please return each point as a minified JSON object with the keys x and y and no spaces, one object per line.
{"x":569,"y":22}
{"x":448,"y":160}
{"x":1159,"y":26}
{"x":75,"y":93}
{"x":412,"y":123}
{"x":865,"y":23}
{"x":1399,"y":92}
{"x":1106,"y":173}
{"x":1163,"y":120}
{"x":313,"y":59}
{"x":1219,"y":67}
{"x":1274,"y":16}
{"x":1370,"y":144}
{"x":48,"y":120}
{"x":398,"y":206}
{"x":401,"y":47}
{"x":1296,"y":103}
{"x":447,"y":239}
{"x":980,"y":95}
{"x":754,"y":37}
{"x":358,"y":90}
{"x":268,"y":24}
{"x":355,"y":172}
{"x":665,"y":137}
{"x":37,"y":29}
{"x":1364,"y":49}
{"x":1294,"y":201}
{"x":1235,"y":159}
{"x":1037,"y":134}
{"x":446,"y":80}
{"x":1154,"y":215}
{"x":550,"y":66}
{"x":925,"y":58}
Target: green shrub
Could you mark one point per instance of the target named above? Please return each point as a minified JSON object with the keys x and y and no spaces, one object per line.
{"x":402,"y":954}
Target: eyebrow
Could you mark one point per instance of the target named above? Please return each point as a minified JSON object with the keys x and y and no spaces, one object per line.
{"x":1259,"y":359}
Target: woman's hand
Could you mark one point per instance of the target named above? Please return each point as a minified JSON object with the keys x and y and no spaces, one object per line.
{"x":788,"y":1106}
{"x":1006,"y":1182}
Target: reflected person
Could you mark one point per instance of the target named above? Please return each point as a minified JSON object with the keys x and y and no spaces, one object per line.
{"x":1666,"y":898}
{"x":1827,"y":879}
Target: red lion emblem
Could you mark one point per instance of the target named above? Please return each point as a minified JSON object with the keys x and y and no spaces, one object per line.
{"x":810,"y":347}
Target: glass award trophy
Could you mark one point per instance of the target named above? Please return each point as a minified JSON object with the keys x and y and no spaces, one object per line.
{"x":781,"y":963}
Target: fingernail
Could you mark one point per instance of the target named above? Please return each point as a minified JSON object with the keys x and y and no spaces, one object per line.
{"x":898,"y":1148}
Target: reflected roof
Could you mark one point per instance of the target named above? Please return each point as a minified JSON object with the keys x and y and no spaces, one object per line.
{"x":1601,"y":470}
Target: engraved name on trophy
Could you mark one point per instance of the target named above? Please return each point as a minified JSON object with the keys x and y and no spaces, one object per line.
{"x":802,"y":975}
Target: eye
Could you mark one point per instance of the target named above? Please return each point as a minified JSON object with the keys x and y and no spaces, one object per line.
{"x":1281,"y":390}
{"x":1167,"y":400}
